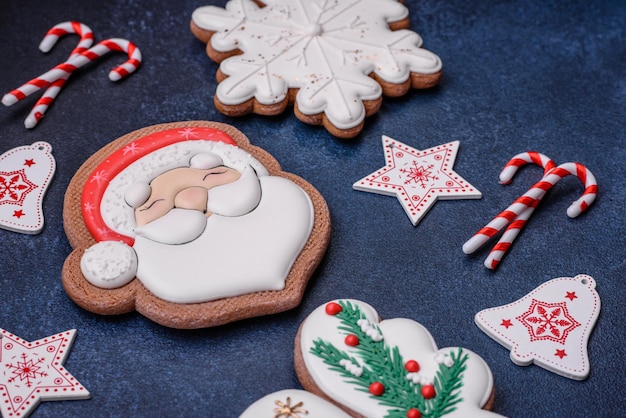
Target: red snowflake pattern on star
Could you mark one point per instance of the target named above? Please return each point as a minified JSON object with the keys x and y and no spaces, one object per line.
{"x":26,"y":370}
{"x":419,"y":174}
{"x":14,"y":186}
{"x":548,"y":321}
{"x":31,"y":372}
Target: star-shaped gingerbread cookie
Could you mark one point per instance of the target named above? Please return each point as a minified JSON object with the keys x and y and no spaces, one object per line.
{"x":31,"y":372}
{"x":418,"y":178}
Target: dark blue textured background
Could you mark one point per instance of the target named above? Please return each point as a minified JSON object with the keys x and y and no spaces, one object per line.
{"x":519,"y":76}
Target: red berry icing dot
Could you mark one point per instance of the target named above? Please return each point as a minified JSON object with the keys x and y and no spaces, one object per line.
{"x":412,"y":366}
{"x":333,"y":308}
{"x":352,"y":340}
{"x":428,"y":391}
{"x":413,"y":413}
{"x":377,"y":388}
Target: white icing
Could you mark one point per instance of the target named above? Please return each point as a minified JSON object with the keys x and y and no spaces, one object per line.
{"x":419,"y":378}
{"x":370,"y":330}
{"x":109,"y":264}
{"x":205,"y":160}
{"x":178,"y":226}
{"x":119,"y":216}
{"x":234,"y":255}
{"x":354,"y":369}
{"x":327,"y":51}
{"x":220,"y":256}
{"x":237,"y":198}
{"x":315,"y":406}
{"x":137,"y":194}
{"x":413,"y":341}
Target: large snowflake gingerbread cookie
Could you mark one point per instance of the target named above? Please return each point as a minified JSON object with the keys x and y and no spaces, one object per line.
{"x":332,"y":59}
{"x":390,"y":368}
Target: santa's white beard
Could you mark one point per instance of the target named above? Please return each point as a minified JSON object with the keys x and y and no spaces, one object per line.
{"x":180,"y":226}
{"x":232,"y":255}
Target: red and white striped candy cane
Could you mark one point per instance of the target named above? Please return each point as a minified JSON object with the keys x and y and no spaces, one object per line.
{"x":77,"y":61}
{"x":531,"y":199}
{"x":51,"y":38}
{"x":67,"y":28}
{"x":515,"y":227}
{"x":510,"y":168}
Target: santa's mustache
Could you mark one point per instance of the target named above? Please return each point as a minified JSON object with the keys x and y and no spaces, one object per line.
{"x":180,"y":226}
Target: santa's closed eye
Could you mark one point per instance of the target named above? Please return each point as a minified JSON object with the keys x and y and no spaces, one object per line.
{"x":222,"y":171}
{"x":151,"y":205}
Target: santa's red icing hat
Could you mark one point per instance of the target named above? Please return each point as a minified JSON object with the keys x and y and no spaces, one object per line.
{"x":108,"y":215}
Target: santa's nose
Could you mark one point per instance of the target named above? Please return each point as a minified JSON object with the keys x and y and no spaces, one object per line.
{"x":192,"y":198}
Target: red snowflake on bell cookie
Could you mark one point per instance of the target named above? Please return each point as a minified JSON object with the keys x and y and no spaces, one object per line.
{"x":548,"y":321}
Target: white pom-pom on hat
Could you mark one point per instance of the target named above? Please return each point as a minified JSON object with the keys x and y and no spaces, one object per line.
{"x":109,"y":264}
{"x":205,"y":160}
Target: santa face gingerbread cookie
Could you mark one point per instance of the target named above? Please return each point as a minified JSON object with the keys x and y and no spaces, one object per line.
{"x":390,"y":368}
{"x":332,"y":60}
{"x":192,"y":226}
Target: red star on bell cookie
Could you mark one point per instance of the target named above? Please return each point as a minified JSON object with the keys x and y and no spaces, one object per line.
{"x":418,"y":178}
{"x":31,"y":372}
{"x":548,"y":326}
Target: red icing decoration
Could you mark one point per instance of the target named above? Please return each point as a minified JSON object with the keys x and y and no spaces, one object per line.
{"x":428,"y":391}
{"x":377,"y":389}
{"x":352,"y":340}
{"x":333,"y":308}
{"x":412,"y":366}
{"x":115,"y":163}
{"x":413,"y":413}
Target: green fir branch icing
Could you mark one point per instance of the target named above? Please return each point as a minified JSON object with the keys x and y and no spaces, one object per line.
{"x":383,"y":364}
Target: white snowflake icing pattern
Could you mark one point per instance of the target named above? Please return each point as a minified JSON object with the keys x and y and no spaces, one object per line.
{"x":326,"y":49}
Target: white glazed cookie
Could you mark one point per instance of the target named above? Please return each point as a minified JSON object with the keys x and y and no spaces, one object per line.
{"x":333,"y":60}
{"x":550,"y":326}
{"x":374,"y":368}
{"x":192,"y":226}
{"x":292,"y":403}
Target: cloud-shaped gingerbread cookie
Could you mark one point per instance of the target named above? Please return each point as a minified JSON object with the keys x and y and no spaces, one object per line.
{"x":192,"y":226}
{"x":390,"y":368}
